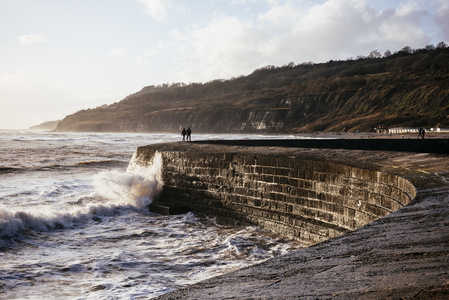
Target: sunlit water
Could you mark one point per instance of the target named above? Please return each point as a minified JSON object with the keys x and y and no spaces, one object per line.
{"x":74,"y":223}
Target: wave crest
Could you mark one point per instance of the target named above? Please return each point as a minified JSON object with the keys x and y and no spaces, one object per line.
{"x":118,"y":191}
{"x":137,"y":186}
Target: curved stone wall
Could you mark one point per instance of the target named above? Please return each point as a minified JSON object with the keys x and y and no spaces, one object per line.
{"x":310,"y":201}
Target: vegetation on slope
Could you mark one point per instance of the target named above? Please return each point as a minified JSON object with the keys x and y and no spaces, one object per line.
{"x":407,"y":88}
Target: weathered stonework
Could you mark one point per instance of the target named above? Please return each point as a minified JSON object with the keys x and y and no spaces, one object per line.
{"x":307,"y":200}
{"x":404,"y":255}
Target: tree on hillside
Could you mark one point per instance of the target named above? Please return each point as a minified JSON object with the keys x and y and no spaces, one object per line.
{"x":374,"y":54}
{"x":441,"y":45}
{"x":406,"y":50}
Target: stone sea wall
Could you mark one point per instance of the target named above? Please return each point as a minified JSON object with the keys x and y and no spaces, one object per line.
{"x":308,"y":200}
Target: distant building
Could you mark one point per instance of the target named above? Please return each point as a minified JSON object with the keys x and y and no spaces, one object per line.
{"x":414,"y":130}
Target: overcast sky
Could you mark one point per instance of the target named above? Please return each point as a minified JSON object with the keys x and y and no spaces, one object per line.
{"x":60,"y":56}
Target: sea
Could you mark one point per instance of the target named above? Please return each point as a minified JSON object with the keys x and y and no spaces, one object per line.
{"x":75,"y":224}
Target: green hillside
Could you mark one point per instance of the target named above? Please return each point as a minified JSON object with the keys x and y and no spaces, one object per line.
{"x":408,"y":88}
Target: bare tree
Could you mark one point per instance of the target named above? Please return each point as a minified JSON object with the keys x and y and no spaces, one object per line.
{"x":374,"y":54}
{"x":407,"y":50}
{"x":441,"y":45}
{"x":430,"y":47}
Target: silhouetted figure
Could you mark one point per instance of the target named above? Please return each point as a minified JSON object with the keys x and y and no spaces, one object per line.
{"x":183,"y":133}
{"x":189,"y":132}
{"x":421,"y":133}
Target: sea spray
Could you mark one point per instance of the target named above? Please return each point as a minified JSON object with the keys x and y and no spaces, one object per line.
{"x":13,"y":222}
{"x":62,"y":239}
{"x":137,"y":186}
{"x":116,"y":193}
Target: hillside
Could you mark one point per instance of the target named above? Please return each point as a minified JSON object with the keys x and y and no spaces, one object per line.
{"x":408,"y":88}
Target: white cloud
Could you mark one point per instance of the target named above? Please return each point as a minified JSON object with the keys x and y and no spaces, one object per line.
{"x":229,"y":46}
{"x":157,"y":9}
{"x":31,"y":39}
{"x":280,"y":15}
{"x":403,"y":27}
{"x":442,"y":18}
{"x":224,"y":48}
{"x":177,"y":35}
{"x":242,"y":2}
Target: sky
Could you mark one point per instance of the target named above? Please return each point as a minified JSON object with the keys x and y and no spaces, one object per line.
{"x":60,"y":56}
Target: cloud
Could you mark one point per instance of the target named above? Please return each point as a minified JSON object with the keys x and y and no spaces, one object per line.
{"x":31,"y":39}
{"x":242,"y":2}
{"x":221,"y":49}
{"x":157,"y":9}
{"x":442,"y":18}
{"x":177,"y":35}
{"x":230,"y":46}
{"x":280,"y":15}
{"x":403,"y":26}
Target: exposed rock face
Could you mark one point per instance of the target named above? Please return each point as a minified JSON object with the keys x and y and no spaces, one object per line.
{"x":332,"y":112}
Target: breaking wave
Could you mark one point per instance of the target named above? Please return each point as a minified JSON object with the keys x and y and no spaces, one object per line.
{"x":116,"y":192}
{"x":137,"y":186}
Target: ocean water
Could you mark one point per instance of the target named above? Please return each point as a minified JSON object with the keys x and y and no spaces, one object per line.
{"x":74,"y":222}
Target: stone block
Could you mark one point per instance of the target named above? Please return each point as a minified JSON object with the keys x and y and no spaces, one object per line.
{"x":283,"y":162}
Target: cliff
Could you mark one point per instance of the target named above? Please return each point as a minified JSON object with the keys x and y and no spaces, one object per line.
{"x":404,"y":89}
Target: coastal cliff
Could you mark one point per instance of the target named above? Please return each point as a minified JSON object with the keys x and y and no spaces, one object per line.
{"x":404,"y":89}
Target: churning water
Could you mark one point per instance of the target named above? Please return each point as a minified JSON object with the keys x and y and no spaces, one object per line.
{"x":74,"y":222}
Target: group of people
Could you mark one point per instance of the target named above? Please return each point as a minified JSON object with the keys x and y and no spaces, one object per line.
{"x":421,"y":133}
{"x":186,"y":134}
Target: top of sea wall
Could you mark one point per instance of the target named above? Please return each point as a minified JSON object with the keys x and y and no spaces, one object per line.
{"x":375,"y":144}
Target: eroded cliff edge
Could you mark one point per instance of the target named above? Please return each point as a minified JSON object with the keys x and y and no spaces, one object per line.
{"x":402,"y":255}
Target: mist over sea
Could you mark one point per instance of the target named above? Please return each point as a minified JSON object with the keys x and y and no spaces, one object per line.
{"x":74,"y":223}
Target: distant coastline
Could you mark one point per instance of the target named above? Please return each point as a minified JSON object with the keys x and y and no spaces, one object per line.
{"x":49,"y":125}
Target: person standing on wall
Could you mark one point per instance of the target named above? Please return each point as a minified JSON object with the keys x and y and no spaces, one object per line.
{"x":189,"y":132}
{"x":183,"y":133}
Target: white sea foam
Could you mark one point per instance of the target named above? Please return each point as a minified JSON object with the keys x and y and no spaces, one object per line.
{"x":70,"y":226}
{"x":137,"y":186}
{"x":116,"y":190}
{"x":12,"y":221}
